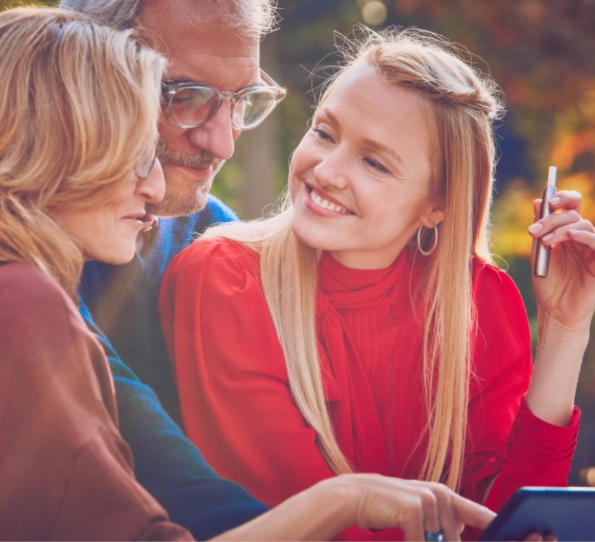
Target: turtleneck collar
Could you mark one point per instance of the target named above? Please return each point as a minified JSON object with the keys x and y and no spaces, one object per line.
{"x":347,"y":286}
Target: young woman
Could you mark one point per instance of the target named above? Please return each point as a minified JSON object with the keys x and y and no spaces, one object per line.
{"x":78,"y":108}
{"x":364,"y":328}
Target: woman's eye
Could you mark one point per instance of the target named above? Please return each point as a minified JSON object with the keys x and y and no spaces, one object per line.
{"x":375,"y":164}
{"x":322,"y":134}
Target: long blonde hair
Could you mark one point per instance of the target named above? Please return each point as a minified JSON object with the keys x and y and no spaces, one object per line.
{"x":79,"y":103}
{"x":463,"y":105}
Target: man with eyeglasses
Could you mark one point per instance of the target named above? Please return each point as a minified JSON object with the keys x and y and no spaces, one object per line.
{"x":213,"y":90}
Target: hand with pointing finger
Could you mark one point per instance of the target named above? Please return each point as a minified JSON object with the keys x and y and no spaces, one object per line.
{"x":423,"y":510}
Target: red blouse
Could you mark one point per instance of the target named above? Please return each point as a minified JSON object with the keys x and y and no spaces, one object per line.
{"x":235,"y":397}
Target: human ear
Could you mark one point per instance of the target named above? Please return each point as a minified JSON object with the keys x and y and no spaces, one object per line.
{"x":432,"y":216}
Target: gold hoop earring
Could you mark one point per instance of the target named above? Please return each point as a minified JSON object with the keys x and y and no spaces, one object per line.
{"x":432,"y":249}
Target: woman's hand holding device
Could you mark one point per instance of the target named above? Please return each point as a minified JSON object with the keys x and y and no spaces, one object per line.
{"x":565,"y":300}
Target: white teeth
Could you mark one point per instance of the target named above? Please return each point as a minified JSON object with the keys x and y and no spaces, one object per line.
{"x":325,"y":204}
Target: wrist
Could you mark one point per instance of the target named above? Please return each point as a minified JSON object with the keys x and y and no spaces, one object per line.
{"x":560,"y":351}
{"x":552,"y":330}
{"x":317,"y":513}
{"x":340,"y":498}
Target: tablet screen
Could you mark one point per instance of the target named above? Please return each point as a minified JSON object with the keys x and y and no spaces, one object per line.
{"x":568,"y":513}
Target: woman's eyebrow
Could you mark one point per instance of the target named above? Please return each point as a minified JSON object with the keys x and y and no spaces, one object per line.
{"x":370,"y":143}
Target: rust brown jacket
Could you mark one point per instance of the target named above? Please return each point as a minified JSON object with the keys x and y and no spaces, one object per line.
{"x":65,"y":471}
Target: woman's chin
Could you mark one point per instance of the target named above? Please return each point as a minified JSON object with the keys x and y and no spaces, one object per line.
{"x":119,"y":257}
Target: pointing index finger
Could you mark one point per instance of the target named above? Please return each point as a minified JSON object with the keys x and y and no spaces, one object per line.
{"x":471,"y":513}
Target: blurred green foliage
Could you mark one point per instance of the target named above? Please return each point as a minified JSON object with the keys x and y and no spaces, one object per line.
{"x":5,"y":4}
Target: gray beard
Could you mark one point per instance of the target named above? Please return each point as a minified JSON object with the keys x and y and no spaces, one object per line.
{"x":178,"y":204}
{"x":175,"y":204}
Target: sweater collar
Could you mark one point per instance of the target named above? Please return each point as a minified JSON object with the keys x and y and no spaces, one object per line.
{"x":350,"y":287}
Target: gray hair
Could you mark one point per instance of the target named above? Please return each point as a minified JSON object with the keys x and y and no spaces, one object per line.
{"x":253,"y":18}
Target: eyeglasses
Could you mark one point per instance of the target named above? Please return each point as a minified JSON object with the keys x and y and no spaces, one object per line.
{"x":145,"y":166}
{"x":188,"y":105}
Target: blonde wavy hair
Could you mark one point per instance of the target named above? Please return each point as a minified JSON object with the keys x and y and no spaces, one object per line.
{"x":463,"y":105}
{"x":79,"y":105}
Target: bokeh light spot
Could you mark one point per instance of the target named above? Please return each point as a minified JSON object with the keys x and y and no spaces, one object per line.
{"x":374,"y":13}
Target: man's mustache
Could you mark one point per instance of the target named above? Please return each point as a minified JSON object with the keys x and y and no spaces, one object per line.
{"x":200,"y":159}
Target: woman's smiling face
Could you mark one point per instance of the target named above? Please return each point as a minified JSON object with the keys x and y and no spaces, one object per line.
{"x":360,"y":178}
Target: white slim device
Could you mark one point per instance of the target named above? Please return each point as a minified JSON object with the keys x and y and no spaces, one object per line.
{"x":542,"y":253}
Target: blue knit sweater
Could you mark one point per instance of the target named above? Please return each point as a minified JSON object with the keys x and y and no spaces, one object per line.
{"x":122,"y":302}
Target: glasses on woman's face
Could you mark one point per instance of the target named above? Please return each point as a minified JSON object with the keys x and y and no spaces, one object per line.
{"x":188,"y":105}
{"x":145,"y":165}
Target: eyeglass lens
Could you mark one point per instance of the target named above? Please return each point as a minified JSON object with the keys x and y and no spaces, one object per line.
{"x":253,"y":107}
{"x":190,"y":106}
{"x":145,"y":166}
{"x":194,"y":105}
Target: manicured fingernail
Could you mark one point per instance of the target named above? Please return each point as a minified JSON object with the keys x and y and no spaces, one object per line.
{"x":536,"y":228}
{"x":574,"y":233}
{"x":548,"y":237}
{"x":555,"y":200}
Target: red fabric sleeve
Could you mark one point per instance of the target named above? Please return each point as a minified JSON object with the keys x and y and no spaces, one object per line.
{"x":502,"y":369}
{"x":537,"y":454}
{"x":507,"y":446}
{"x":231,"y":373}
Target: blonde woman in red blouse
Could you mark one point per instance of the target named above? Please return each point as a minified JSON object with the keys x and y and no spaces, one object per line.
{"x":364,"y":328}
